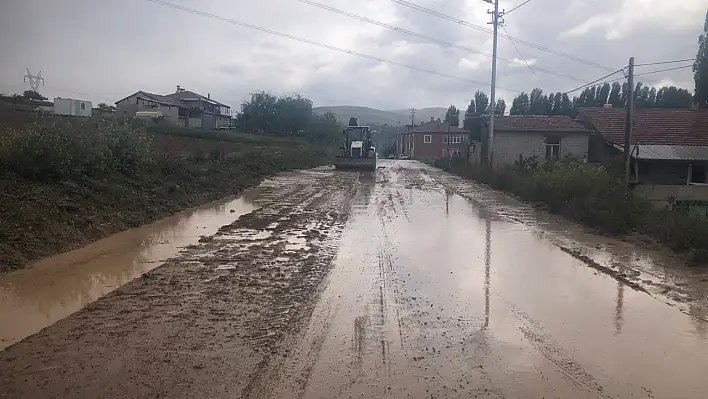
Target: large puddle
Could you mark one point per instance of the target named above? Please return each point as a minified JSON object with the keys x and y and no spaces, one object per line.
{"x":53,"y":288}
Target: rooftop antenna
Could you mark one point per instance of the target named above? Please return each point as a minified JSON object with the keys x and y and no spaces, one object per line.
{"x":35,"y":81}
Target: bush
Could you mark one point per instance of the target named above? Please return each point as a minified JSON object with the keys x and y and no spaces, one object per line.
{"x":75,"y":150}
{"x":595,"y":197}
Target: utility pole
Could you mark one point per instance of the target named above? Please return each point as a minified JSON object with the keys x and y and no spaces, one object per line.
{"x":497,"y":20}
{"x":399,"y":141}
{"x":449,"y":146}
{"x":628,"y":125}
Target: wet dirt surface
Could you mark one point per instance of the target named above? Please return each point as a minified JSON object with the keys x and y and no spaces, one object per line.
{"x":54,"y":288}
{"x":406,"y":283}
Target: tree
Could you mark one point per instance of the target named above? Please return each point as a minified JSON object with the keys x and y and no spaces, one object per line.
{"x":470,"y":115}
{"x":106,"y":108}
{"x":33,"y":95}
{"x":673,"y":97}
{"x":259,"y":112}
{"x":452,"y":116}
{"x":500,"y":108}
{"x":700,"y":68}
{"x":520,"y":105}
{"x":615,"y":95}
{"x":482,"y":102}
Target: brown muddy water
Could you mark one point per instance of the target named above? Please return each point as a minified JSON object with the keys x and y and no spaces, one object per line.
{"x":53,"y":288}
{"x":407,"y":282}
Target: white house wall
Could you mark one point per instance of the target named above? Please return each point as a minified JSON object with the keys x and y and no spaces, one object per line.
{"x":509,"y":145}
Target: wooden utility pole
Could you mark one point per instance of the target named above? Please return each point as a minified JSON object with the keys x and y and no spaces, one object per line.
{"x":628,"y":125}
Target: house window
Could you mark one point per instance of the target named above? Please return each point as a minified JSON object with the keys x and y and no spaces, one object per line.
{"x":427,"y":139}
{"x":697,"y":173}
{"x":456,"y":139}
{"x":553,"y":146}
{"x":83,"y":106}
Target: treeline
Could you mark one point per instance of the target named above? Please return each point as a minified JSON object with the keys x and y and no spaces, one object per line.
{"x":287,"y":115}
{"x":479,"y":105}
{"x":538,"y":103}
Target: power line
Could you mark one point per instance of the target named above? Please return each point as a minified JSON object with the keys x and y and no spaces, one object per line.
{"x":432,"y":39}
{"x":517,"y":7}
{"x":666,"y":62}
{"x":594,"y":81}
{"x":664,"y":70}
{"x":312,"y":42}
{"x":522,"y":57}
{"x":486,"y":30}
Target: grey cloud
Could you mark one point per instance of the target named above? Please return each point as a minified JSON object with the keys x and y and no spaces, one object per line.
{"x":109,"y":49}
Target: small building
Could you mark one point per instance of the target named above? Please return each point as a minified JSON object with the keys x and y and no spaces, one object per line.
{"x":431,"y":140}
{"x":547,"y":138}
{"x":72,"y":107}
{"x":182,"y":108}
{"x":669,"y":160}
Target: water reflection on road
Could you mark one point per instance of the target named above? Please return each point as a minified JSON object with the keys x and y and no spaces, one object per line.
{"x":433,"y":295}
{"x":56,"y":287}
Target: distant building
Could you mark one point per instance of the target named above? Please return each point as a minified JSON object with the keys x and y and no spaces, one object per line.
{"x":430,"y":141}
{"x":181,"y":108}
{"x":548,"y":138}
{"x":669,"y":150}
{"x":72,"y":107}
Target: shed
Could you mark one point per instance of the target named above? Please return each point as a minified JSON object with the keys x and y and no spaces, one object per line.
{"x":72,"y":107}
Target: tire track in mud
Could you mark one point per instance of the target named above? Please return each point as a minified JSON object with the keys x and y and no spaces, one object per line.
{"x":208,"y":323}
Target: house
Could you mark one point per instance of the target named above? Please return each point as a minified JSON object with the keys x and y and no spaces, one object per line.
{"x":669,"y":149}
{"x":71,"y":107}
{"x":214,"y":114}
{"x":429,"y":140}
{"x":181,"y":108}
{"x":547,"y":138}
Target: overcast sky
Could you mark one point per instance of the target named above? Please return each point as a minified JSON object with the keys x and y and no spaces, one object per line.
{"x":105,"y":50}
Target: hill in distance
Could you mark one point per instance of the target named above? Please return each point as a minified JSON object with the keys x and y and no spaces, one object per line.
{"x":372,"y":116}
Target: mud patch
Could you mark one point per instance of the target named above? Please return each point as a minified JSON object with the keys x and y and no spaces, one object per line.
{"x":206,"y":323}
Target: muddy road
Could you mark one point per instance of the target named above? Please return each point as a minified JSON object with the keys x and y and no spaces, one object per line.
{"x":404,"y":283}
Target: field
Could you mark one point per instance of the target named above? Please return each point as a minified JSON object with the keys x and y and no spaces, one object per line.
{"x":65,"y":182}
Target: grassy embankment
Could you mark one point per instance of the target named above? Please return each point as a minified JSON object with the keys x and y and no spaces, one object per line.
{"x":596,"y":198}
{"x":64,"y":184}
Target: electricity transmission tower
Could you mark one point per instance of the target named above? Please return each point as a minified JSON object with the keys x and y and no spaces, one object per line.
{"x":35,"y":81}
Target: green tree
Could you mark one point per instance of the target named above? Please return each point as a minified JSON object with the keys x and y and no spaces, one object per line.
{"x":470,"y":116}
{"x":33,"y":95}
{"x":700,"y":68}
{"x":673,"y":97}
{"x":500,"y":108}
{"x":520,"y":105}
{"x":452,"y":116}
{"x":616,"y":95}
{"x":482,"y":102}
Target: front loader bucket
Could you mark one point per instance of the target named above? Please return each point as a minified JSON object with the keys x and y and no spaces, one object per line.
{"x":355,"y":163}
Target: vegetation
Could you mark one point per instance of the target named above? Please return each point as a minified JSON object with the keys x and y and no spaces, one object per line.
{"x":452,"y":116}
{"x":596,"y":197}
{"x":700,"y":68}
{"x":94,"y":177}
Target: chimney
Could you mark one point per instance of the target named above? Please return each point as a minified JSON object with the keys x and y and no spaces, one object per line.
{"x":209,"y":96}
{"x":432,"y":119}
{"x":438,"y":120}
{"x":178,"y":89}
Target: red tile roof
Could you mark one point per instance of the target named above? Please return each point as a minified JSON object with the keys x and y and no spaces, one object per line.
{"x":651,"y":125}
{"x":537,"y":123}
{"x":436,"y":127}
